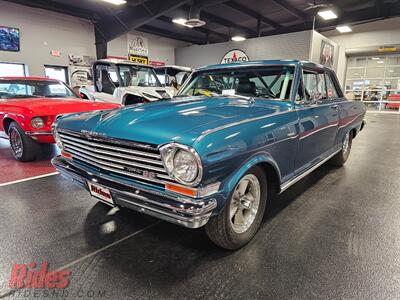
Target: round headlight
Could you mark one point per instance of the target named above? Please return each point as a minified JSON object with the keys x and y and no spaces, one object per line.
{"x":185,"y":166}
{"x":182,"y":163}
{"x":37,"y":123}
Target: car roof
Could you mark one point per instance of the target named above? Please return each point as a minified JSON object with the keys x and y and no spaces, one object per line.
{"x":181,"y":68}
{"x":26,"y":78}
{"x":259,"y":63}
{"x":120,"y":61}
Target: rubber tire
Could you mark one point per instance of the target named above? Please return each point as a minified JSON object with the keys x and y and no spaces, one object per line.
{"x":340,"y":159}
{"x":30,"y":147}
{"x":219,"y":229}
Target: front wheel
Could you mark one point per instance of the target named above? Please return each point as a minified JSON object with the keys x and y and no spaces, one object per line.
{"x":241,"y":217}
{"x":340,"y":158}
{"x":23,"y":147}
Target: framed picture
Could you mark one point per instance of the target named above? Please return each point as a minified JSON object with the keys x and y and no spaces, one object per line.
{"x":9,"y":39}
{"x":327,"y":53}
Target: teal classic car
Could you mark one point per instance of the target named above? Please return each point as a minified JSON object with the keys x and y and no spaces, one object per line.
{"x":213,"y":155}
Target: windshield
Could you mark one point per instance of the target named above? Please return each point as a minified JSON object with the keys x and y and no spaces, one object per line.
{"x":138,"y":76}
{"x":12,"y":89}
{"x":265,"y":82}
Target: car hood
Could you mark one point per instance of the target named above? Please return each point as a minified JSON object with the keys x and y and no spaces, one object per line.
{"x":182,"y":120}
{"x":53,"y":106}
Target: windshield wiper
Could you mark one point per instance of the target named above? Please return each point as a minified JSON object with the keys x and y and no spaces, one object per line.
{"x":22,"y":96}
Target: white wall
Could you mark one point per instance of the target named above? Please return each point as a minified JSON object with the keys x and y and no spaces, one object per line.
{"x":379,"y":33}
{"x":160,"y":49}
{"x":285,"y":46}
{"x":43,"y":31}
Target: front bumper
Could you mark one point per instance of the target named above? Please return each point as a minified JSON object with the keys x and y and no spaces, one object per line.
{"x":187,"y":212}
{"x":45,"y":136}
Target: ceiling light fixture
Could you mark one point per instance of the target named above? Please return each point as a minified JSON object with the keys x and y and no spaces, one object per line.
{"x":238,"y":38}
{"x":181,"y":21}
{"x":116,"y":2}
{"x":327,"y":14}
{"x":344,"y":29}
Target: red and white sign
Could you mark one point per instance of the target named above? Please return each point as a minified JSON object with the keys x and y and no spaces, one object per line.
{"x":100,"y":192}
{"x":233,"y":56}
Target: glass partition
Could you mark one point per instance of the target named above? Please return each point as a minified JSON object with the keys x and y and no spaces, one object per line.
{"x":374,"y":80}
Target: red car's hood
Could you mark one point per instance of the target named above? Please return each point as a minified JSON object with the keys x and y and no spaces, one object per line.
{"x":56,"y":106}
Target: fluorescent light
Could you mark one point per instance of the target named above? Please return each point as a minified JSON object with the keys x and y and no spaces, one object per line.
{"x":238,"y":38}
{"x":181,"y":21}
{"x":344,"y":29}
{"x":115,"y":2}
{"x":327,"y":14}
{"x":380,"y":61}
{"x":375,"y":58}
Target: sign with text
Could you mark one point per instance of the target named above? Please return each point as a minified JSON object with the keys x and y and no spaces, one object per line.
{"x":233,"y":56}
{"x":144,"y":60}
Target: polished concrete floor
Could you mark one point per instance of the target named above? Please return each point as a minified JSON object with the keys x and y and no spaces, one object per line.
{"x":335,"y":234}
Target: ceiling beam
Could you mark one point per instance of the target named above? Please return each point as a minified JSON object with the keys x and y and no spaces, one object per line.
{"x":284,"y":4}
{"x":251,"y":13}
{"x":208,"y":17}
{"x":170,"y":34}
{"x":204,"y":30}
{"x":132,"y":18}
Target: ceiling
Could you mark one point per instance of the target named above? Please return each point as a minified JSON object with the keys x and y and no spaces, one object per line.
{"x":225,"y":18}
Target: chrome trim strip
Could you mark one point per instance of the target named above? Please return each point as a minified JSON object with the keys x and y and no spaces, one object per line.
{"x":348,"y":123}
{"x":78,"y":151}
{"x":318,"y":130}
{"x":109,"y":147}
{"x":291,"y":182}
{"x":209,"y":131}
{"x":38,"y":133}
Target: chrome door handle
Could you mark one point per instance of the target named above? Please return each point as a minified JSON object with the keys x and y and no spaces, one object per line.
{"x":336,"y":107}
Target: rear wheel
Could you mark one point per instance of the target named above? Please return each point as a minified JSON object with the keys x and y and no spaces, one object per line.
{"x":241,"y":217}
{"x":23,"y":147}
{"x":340,"y":158}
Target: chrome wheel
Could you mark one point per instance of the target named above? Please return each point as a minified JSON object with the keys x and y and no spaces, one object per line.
{"x":17,"y":146}
{"x":245,"y":203}
{"x":346,"y":144}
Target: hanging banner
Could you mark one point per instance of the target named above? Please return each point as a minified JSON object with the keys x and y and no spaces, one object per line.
{"x":144,"y":60}
{"x":234,"y":55}
{"x":138,"y":45}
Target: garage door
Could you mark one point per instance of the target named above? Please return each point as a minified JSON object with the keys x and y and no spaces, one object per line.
{"x":374,"y":80}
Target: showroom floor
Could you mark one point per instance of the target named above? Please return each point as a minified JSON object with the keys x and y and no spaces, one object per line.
{"x":333,"y":235}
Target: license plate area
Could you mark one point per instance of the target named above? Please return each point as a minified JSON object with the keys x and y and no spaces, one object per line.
{"x":101,"y":193}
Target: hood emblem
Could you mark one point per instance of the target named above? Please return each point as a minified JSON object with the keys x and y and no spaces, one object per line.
{"x":89,"y":134}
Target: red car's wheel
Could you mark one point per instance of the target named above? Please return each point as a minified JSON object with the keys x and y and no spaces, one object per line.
{"x":23,"y":147}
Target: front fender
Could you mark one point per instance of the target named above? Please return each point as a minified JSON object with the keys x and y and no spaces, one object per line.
{"x":259,"y":158}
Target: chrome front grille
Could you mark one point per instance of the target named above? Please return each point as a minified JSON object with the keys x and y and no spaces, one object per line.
{"x":119,"y":157}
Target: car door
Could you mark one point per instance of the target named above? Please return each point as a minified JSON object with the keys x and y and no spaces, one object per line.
{"x":318,"y":120}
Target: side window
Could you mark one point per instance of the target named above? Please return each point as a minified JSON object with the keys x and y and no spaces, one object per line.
{"x":331,"y":89}
{"x":314,"y":86}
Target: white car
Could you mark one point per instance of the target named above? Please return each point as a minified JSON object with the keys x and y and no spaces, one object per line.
{"x":126,"y":83}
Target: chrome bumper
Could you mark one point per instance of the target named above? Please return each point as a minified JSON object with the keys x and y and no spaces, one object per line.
{"x":38,"y":133}
{"x":187,"y":212}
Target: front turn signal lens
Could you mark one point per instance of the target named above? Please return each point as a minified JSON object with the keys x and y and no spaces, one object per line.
{"x":181,"y":190}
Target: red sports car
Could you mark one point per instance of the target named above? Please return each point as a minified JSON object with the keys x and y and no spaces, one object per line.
{"x":28,"y":108}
